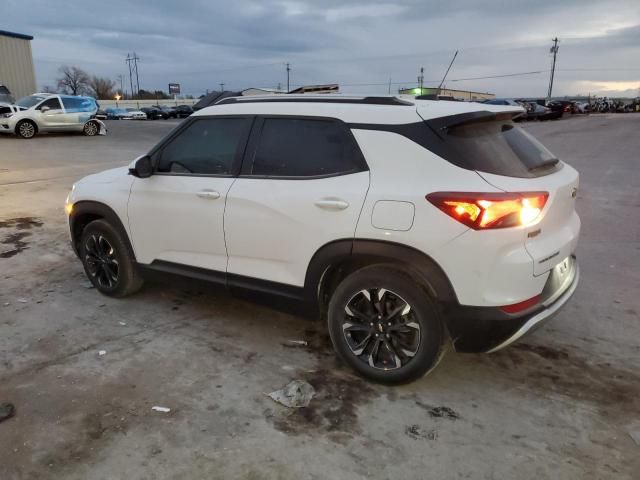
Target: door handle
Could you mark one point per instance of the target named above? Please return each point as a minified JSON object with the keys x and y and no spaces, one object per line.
{"x":208,"y":194}
{"x":332,"y":204}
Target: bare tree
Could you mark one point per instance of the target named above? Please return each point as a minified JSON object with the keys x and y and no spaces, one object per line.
{"x":48,"y":89}
{"x":101,"y":87}
{"x":73,"y":80}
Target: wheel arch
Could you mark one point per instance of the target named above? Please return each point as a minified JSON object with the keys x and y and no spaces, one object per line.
{"x":335,"y":260}
{"x":30,"y":120}
{"x":86,"y":211}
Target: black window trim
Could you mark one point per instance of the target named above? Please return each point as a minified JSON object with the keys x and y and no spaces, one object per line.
{"x":156,"y":151}
{"x":256,"y":132}
{"x":60,"y":105}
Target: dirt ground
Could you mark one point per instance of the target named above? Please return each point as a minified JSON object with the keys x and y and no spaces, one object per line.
{"x":561,"y":404}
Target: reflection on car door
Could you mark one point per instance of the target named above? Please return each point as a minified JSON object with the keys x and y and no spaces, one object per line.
{"x":302,"y":185}
{"x":176,"y":215}
{"x":52,"y":119}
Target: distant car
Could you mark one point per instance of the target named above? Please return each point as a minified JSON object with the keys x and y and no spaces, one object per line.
{"x":557,"y":109}
{"x":152,"y":113}
{"x":183,"y":111}
{"x":101,"y":115}
{"x":535,"y":111}
{"x":6,"y":110}
{"x":509,"y":102}
{"x":5,"y":95}
{"x":568,"y":106}
{"x":137,"y":114}
{"x":583,"y":107}
{"x":167,"y":112}
{"x":45,"y":112}
{"x":117,"y":114}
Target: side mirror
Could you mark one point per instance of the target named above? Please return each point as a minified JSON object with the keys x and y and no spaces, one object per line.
{"x":142,"y":167}
{"x":44,"y":109}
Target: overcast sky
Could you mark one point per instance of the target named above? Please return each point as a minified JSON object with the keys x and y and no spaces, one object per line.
{"x":244,"y":43}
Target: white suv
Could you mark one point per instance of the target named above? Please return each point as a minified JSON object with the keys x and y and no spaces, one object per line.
{"x":405,"y":224}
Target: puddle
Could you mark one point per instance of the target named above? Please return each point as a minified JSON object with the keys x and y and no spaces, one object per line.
{"x":14,"y":243}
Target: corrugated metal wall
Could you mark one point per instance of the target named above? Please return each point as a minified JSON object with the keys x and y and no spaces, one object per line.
{"x":16,"y":66}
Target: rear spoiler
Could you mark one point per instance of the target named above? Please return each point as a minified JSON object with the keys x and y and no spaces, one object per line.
{"x":443,"y":123}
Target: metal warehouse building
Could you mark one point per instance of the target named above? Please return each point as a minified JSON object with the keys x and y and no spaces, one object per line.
{"x":16,"y":64}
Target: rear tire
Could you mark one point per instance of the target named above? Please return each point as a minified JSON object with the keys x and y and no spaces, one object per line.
{"x":383,"y":324}
{"x":91,"y":129}
{"x":108,"y":260}
{"x":26,"y":129}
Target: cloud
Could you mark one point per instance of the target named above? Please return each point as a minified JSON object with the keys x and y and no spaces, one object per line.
{"x":201,"y":43}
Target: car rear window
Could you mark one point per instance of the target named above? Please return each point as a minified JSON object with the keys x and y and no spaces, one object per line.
{"x":497,"y":147}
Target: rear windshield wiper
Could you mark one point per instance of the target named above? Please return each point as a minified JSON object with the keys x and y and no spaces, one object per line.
{"x":546,"y":163}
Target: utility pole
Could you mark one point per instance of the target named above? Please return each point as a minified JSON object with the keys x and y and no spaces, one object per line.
{"x":221,"y":87}
{"x":389,"y":91}
{"x":128,"y":60}
{"x":421,"y":79}
{"x":132,"y":62}
{"x":447,"y":72}
{"x":554,"y":50}
{"x":135,"y":66}
{"x":288,"y":70}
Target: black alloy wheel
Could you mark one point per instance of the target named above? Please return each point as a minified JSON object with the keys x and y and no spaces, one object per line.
{"x":108,"y":259}
{"x":385,"y":326}
{"x":380,"y":330}
{"x":100,"y":259}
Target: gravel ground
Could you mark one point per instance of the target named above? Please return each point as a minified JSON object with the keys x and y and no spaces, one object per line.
{"x":559,"y":404}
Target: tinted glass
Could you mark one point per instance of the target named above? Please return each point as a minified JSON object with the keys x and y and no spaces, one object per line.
{"x":497,"y":147}
{"x":29,"y":101}
{"x":302,"y":148}
{"x":78,"y":104}
{"x":207,"y":146}
{"x":52,"y":103}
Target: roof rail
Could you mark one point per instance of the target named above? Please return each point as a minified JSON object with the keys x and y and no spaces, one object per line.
{"x":325,"y":98}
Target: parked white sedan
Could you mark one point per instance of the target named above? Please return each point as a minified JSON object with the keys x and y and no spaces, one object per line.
{"x":137,"y":114}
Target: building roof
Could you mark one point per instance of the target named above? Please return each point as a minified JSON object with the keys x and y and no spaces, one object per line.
{"x":22,"y":36}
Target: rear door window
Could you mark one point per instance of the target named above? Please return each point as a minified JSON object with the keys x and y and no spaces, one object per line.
{"x":78,"y":104}
{"x":297,"y":147}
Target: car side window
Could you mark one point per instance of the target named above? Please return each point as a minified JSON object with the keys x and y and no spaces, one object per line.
{"x":208,"y":146}
{"x":78,"y":104}
{"x":52,"y":103}
{"x":290,"y":147}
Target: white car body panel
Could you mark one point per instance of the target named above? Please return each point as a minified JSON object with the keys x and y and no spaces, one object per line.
{"x":558,"y":223}
{"x":501,"y":275}
{"x":274,"y":226}
{"x":110,"y":187}
{"x":179,"y":218}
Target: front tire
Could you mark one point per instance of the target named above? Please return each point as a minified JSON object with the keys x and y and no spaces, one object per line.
{"x":385,"y":326}
{"x":26,"y":129}
{"x":108,"y":260}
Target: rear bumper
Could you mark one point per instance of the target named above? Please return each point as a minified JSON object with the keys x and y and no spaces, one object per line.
{"x":488,"y":329}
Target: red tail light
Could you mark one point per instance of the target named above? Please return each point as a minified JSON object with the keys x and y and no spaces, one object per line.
{"x":519,"y":307}
{"x":482,"y":211}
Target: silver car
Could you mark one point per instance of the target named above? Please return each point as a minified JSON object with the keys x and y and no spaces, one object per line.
{"x":45,"y":112}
